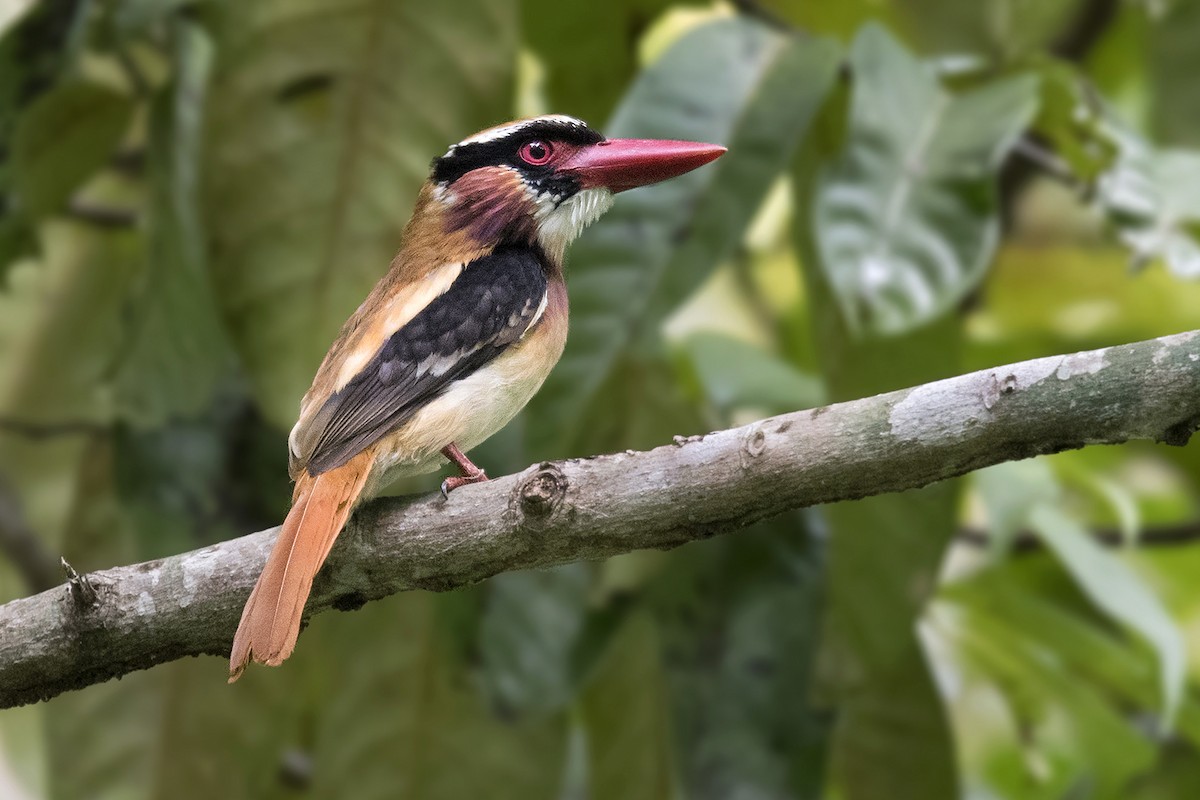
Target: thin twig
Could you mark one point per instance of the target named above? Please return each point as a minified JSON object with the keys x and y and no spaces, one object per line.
{"x":1157,"y":536}
{"x":1048,"y":162}
{"x":756,"y":10}
{"x":1092,"y":20}
{"x":130,"y":162}
{"x":137,"y":78}
{"x":50,"y":430}
{"x":81,"y":589}
{"x":102,"y":216}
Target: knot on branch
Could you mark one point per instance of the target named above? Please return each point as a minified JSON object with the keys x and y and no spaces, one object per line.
{"x":754,"y":443}
{"x":1181,"y":432}
{"x":540,"y":495}
{"x":997,"y":388}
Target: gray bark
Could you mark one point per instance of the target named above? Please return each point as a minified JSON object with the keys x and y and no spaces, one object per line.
{"x":592,"y":508}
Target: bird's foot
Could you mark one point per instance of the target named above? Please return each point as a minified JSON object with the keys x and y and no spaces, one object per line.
{"x":470,"y":472}
{"x":455,"y":481}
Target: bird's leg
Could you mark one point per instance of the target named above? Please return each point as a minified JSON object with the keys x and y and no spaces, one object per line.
{"x":470,"y":472}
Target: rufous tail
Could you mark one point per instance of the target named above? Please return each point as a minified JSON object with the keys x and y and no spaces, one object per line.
{"x":270,"y":622}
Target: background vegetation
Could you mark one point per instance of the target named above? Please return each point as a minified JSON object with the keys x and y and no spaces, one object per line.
{"x":196,"y":193}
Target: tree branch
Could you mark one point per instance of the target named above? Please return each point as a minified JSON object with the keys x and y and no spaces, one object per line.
{"x":593,"y":508}
{"x":49,"y":430}
{"x":102,"y":216}
{"x":1025,"y":542}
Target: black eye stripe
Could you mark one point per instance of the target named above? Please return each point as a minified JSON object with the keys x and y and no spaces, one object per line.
{"x":503,"y":151}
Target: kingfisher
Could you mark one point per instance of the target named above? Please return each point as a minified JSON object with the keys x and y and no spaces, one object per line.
{"x":451,"y":343}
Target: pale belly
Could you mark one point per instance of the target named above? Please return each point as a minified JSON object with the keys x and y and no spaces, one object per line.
{"x":470,"y":411}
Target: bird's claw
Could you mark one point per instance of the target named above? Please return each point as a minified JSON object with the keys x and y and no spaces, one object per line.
{"x":455,"y":481}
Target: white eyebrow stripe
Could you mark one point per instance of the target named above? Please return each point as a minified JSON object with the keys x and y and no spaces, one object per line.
{"x":500,"y":131}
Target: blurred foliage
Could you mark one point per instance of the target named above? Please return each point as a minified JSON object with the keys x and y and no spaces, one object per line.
{"x":905,"y":218}
{"x":195,"y":193}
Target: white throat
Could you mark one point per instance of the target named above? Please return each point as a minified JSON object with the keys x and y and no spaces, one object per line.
{"x":559,"y":224}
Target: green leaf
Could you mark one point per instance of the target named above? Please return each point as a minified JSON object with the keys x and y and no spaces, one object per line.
{"x":589,"y":52}
{"x":769,"y":129}
{"x":1024,"y":605}
{"x":735,"y":375}
{"x":1002,"y":30}
{"x":166,"y":732}
{"x":113,"y":765}
{"x":530,"y":626}
{"x":906,"y":219}
{"x":12,"y":15}
{"x":60,"y":333}
{"x":1151,"y":196}
{"x":1076,"y":687}
{"x":1171,"y":59}
{"x":1008,"y":492}
{"x":840,"y":19}
{"x":98,"y":741}
{"x":1121,"y":594}
{"x":1046,"y":662}
{"x":891,"y":728}
{"x":732,"y":81}
{"x":125,"y":21}
{"x":374,"y":703}
{"x":402,"y":719}
{"x":640,"y":405}
{"x":1070,"y":118}
{"x":626,"y":721}
{"x":1060,"y":299}
{"x":16,"y":240}
{"x":1027,"y":493}
{"x":872,"y":630}
{"x":38,"y":44}
{"x":1111,"y":499}
{"x":885,"y":551}
{"x":739,"y":619}
{"x":62,"y":139}
{"x":894,"y":734}
{"x":185,"y":485}
{"x":1173,"y":776}
{"x":178,"y":348}
{"x":322,"y":121}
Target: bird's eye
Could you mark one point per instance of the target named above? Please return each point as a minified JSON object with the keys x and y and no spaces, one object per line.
{"x":535,"y":152}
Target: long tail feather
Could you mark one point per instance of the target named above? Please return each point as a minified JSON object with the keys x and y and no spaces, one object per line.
{"x":271,"y":619}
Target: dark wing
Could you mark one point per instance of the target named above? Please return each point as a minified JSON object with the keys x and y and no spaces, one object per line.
{"x":490,"y":305}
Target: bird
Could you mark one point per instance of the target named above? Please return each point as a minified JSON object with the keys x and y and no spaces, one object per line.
{"x":451,"y":343}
